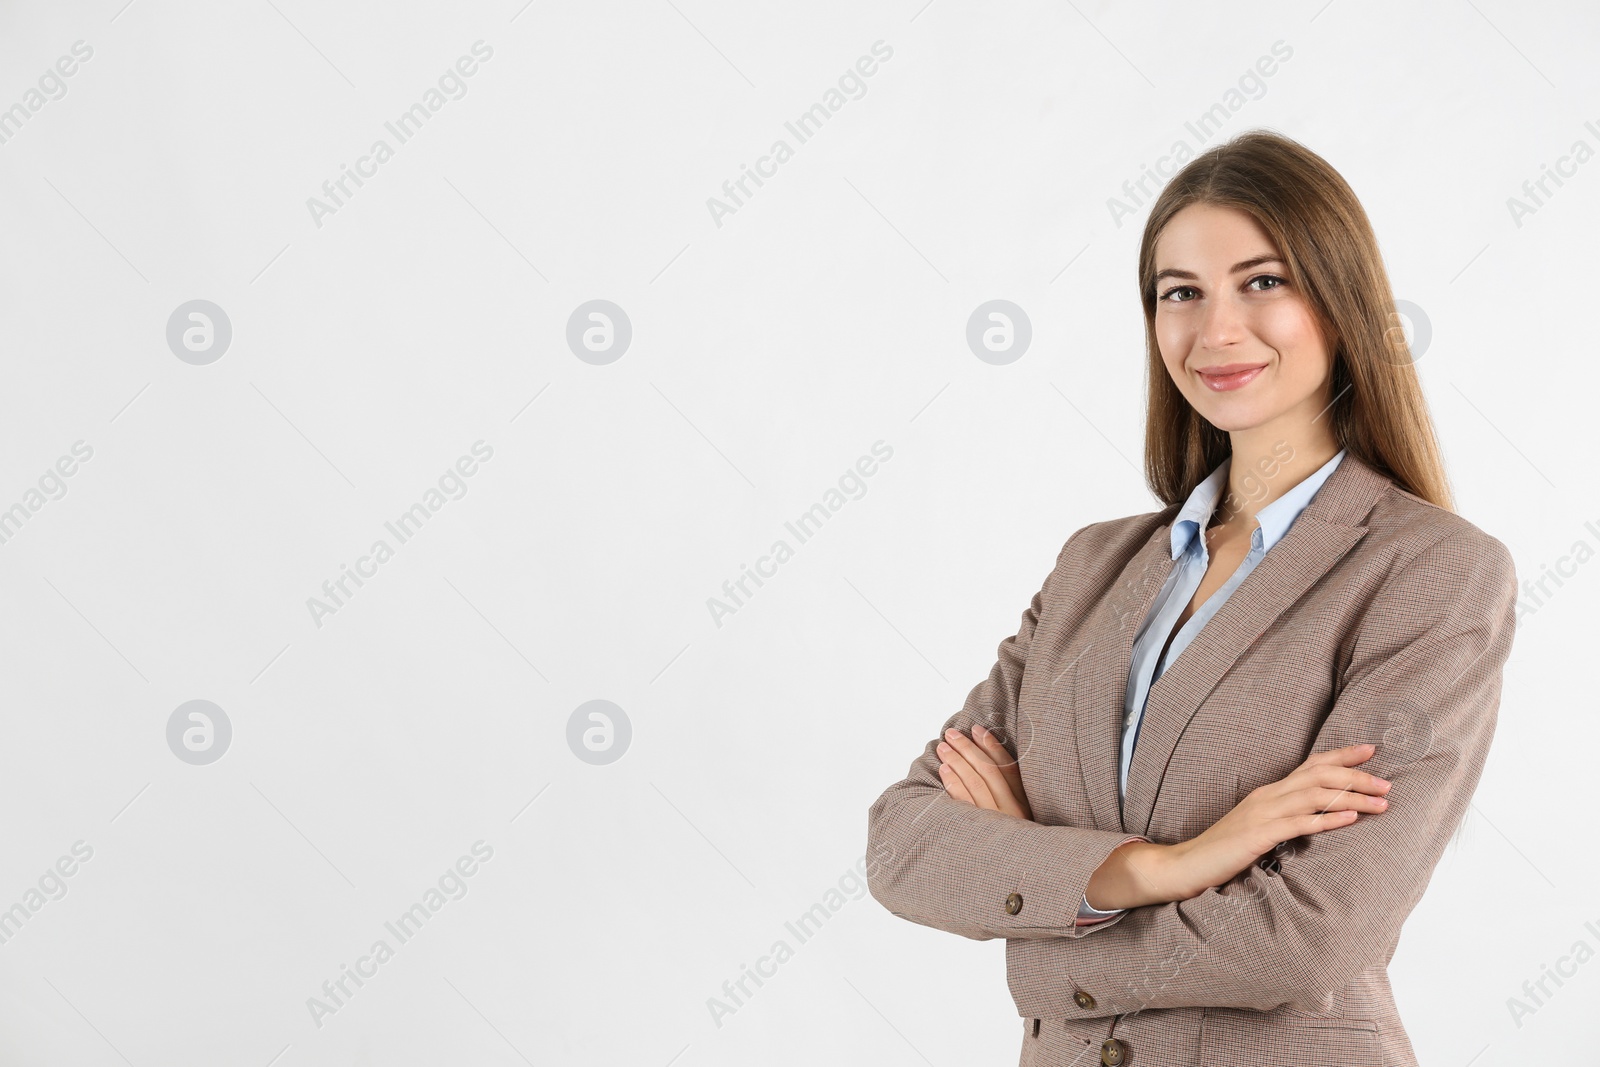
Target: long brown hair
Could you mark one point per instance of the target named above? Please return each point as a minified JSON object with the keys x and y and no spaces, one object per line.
{"x":1323,"y":234}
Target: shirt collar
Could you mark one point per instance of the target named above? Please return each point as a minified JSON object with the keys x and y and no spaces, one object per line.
{"x":1273,"y":520}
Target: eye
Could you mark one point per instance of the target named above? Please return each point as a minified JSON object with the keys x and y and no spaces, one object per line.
{"x":1267,"y":278}
{"x":1167,"y":296}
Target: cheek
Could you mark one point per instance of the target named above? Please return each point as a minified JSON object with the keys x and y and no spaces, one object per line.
{"x":1289,"y":328}
{"x":1174,"y":339}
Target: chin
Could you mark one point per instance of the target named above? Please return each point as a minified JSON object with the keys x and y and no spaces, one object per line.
{"x":1232,"y":420}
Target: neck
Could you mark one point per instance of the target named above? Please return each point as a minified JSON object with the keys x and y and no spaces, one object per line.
{"x":1263,"y":468}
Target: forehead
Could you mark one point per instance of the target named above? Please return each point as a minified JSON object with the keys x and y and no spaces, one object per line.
{"x":1210,"y":237}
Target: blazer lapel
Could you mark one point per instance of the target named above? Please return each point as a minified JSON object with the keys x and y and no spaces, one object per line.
{"x":1327,"y":529}
{"x":1101,"y":670}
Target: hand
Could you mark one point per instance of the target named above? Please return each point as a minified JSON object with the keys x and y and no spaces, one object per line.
{"x":1323,"y":793}
{"x":980,"y":771}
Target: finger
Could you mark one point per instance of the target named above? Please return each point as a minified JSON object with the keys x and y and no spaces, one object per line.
{"x":1313,"y":823}
{"x":1337,"y":777}
{"x":953,"y":786}
{"x":992,"y":747}
{"x":1348,"y":756}
{"x":966,"y":774}
{"x":1007,"y":789}
{"x":1312,"y":809}
{"x":1334,"y":768}
{"x":1002,"y":758}
{"x":1326,"y":800}
{"x":987,"y":737}
{"x":982,"y":762}
{"x":993,"y":780}
{"x":969,"y":776}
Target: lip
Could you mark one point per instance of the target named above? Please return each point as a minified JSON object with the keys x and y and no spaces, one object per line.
{"x":1230,"y":376}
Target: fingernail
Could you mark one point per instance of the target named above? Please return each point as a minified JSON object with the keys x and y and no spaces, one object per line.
{"x":978,"y":729}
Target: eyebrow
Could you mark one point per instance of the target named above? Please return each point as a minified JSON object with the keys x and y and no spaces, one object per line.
{"x":1245,"y":264}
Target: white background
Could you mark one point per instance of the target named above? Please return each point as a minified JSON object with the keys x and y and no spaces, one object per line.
{"x":769,"y":353}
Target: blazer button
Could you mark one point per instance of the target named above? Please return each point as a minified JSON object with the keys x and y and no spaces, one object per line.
{"x":1112,"y":1052}
{"x":1083,"y":1000}
{"x":1013,"y":903}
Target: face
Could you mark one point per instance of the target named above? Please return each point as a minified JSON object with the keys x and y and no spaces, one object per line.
{"x":1238,"y":338}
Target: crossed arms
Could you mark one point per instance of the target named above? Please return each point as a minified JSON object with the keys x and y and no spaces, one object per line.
{"x":1427,"y":660}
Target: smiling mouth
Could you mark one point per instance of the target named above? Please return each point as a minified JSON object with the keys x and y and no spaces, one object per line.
{"x":1230,"y":376}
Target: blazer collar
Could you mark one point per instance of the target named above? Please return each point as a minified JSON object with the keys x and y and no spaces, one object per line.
{"x":1327,"y":529}
{"x":1274,"y":519}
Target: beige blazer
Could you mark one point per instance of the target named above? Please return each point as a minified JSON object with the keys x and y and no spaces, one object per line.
{"x":1377,"y":618}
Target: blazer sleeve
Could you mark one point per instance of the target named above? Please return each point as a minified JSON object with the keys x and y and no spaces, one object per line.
{"x":1423,"y":686}
{"x":971,"y":871}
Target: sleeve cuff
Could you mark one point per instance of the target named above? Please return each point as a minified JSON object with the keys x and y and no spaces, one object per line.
{"x":1088,"y":914}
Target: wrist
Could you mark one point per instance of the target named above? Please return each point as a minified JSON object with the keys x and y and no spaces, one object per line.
{"x":1168,"y":865}
{"x":1133,"y":874}
{"x":1151,"y":870}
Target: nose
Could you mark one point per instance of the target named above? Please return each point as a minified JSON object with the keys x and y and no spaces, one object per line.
{"x":1221,"y":324}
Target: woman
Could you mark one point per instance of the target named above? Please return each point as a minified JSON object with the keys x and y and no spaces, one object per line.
{"x":1211,"y":775}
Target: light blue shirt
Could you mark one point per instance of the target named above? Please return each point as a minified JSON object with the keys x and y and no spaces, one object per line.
{"x":1189,"y":550}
